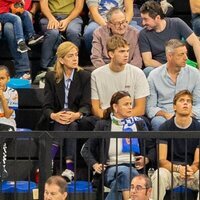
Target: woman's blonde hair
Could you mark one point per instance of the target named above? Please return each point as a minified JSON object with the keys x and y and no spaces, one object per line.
{"x":63,"y":49}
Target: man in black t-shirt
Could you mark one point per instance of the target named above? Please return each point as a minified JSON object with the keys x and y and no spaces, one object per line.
{"x":182,"y":162}
{"x":158,"y":30}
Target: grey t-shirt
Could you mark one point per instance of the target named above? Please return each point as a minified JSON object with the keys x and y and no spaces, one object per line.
{"x":151,"y":41}
{"x":105,"y":82}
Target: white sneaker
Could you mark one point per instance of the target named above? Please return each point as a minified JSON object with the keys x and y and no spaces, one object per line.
{"x":26,"y":76}
{"x":68,"y":175}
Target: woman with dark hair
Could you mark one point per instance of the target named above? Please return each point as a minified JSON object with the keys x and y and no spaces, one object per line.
{"x":104,"y":156}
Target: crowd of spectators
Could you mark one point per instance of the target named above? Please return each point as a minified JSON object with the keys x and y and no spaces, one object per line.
{"x":140,"y":82}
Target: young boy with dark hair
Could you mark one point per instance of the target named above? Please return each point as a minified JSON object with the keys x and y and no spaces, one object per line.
{"x":8,"y":102}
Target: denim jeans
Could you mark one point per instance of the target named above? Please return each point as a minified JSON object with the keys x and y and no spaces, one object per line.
{"x":52,"y":39}
{"x":120,"y":181}
{"x":21,"y":60}
{"x":147,"y":70}
{"x":22,"y":25}
{"x":196,"y":23}
{"x":156,"y":122}
{"x":91,"y":27}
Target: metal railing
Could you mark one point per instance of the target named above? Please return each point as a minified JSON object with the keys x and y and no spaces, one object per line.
{"x":44,"y":142}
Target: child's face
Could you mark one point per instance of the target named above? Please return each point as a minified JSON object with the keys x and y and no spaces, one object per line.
{"x":4,"y":78}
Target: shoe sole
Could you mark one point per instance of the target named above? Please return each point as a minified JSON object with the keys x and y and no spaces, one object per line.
{"x":21,"y":51}
{"x":35,"y":41}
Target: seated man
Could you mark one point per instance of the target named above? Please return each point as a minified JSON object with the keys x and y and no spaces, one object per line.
{"x":141,"y":187}
{"x":168,"y":79}
{"x":158,"y":30}
{"x":195,"y":9}
{"x":61,"y":18}
{"x":98,"y":10}
{"x":55,"y":188}
{"x":181,"y":165}
{"x":118,"y":75}
{"x":116,"y":25}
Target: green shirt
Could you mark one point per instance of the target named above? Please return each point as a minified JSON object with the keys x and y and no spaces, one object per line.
{"x":63,"y":7}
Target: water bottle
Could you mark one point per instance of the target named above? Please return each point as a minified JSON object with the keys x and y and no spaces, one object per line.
{"x":150,"y":172}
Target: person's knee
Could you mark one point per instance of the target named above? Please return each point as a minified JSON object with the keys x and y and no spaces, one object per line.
{"x":124,"y":172}
{"x":90,"y":29}
{"x":25,"y":14}
{"x":52,"y":33}
{"x":156,"y":122}
{"x":18,"y":20}
{"x":8,"y":27}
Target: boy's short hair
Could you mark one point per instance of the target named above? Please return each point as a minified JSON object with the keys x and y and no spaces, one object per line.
{"x":115,"y":42}
{"x":182,"y":93}
{"x":3,"y":67}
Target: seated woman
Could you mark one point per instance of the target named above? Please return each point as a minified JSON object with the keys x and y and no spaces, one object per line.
{"x":67,"y":97}
{"x":103,"y":155}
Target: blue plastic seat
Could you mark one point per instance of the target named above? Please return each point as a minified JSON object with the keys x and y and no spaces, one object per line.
{"x":79,"y":187}
{"x":19,"y":83}
{"x":19,"y":187}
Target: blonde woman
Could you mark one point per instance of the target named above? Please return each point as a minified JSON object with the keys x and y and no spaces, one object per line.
{"x":67,"y":98}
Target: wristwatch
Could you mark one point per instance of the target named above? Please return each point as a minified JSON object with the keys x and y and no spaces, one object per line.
{"x":81,"y":116}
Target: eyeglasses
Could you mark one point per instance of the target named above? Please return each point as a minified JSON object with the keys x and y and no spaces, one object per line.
{"x":138,"y":188}
{"x":119,"y":24}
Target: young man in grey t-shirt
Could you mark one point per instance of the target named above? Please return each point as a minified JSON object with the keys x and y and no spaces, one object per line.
{"x":116,"y":76}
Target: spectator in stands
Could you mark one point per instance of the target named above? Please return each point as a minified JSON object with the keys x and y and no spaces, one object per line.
{"x":168,"y":79}
{"x":116,"y":25}
{"x":55,"y":188}
{"x":67,"y":98}
{"x":181,"y":165}
{"x":101,"y":155}
{"x":21,"y":60}
{"x":21,"y":21}
{"x":98,"y":10}
{"x":141,"y":187}
{"x":158,"y":30}
{"x":61,"y":21}
{"x":8,"y":102}
{"x":118,"y":75}
{"x":195,"y":9}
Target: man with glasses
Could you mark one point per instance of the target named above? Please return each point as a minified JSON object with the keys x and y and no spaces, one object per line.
{"x":55,"y":188}
{"x":141,"y":187}
{"x":158,"y":30}
{"x":178,"y":158}
{"x":98,"y":10}
{"x":116,"y":25}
